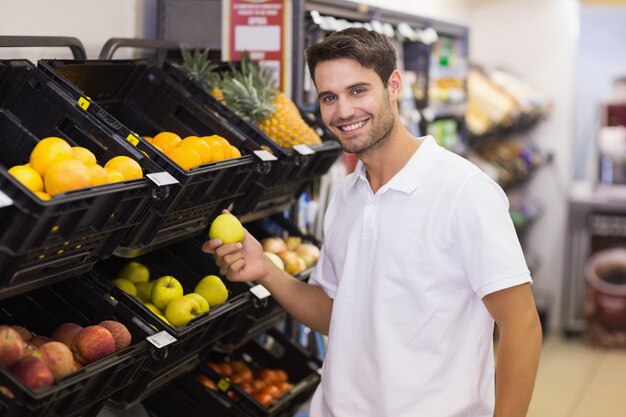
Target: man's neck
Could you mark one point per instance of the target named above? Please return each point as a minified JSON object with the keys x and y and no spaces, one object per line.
{"x":383,"y":163}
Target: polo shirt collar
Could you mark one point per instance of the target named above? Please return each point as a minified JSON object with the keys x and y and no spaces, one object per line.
{"x":411,"y":175}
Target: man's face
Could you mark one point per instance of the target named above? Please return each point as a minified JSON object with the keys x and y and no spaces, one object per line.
{"x":354,"y":104}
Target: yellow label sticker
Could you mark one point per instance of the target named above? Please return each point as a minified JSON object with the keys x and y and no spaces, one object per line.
{"x":83,"y":103}
{"x":132,"y":139}
{"x":223,"y":384}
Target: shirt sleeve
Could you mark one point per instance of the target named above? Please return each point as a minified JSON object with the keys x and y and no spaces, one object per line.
{"x":483,"y":237}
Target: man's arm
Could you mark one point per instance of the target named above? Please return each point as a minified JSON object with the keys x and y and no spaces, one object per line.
{"x":514,"y":311}
{"x":246,"y":261}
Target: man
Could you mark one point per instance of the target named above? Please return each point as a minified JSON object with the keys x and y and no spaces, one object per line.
{"x":420,"y":257}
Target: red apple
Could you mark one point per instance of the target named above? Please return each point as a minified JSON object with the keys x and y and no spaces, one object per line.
{"x":119,"y":331}
{"x":33,"y":372}
{"x":58,"y":358}
{"x":65,"y":333}
{"x":76,"y":365}
{"x":39,"y":341}
{"x":24,"y":332}
{"x":93,"y":343}
{"x":11,"y":346}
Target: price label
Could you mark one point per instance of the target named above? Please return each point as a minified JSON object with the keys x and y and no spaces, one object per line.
{"x":264,"y":155}
{"x":162,"y":178}
{"x":303,"y":149}
{"x":223,"y":384}
{"x":260,"y":291}
{"x":161,"y":339}
{"x":5,"y":200}
{"x":132,"y":139}
{"x":83,"y":103}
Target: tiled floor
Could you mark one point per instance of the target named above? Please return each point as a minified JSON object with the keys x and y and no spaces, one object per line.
{"x":576,"y":380}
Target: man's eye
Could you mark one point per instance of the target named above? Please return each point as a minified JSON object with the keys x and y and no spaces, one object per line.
{"x":358,"y":91}
{"x":328,"y":99}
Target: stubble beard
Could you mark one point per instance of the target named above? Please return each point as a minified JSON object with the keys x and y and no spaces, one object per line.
{"x":377,"y":137}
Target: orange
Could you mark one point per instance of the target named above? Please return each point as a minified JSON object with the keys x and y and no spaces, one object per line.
{"x":48,"y":152}
{"x":126,"y":166}
{"x":115,"y":176}
{"x":234,"y":152}
{"x":97,"y":175}
{"x":28,"y":177}
{"x":185,"y":156}
{"x":200,"y":146}
{"x":148,"y":139}
{"x":42,"y":195}
{"x":83,"y":155}
{"x":65,"y":176}
{"x":166,"y":141}
{"x":217,"y":148}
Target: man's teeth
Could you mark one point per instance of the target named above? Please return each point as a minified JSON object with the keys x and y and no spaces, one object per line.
{"x":352,"y":127}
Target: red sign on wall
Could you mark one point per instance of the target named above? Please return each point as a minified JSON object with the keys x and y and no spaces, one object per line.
{"x":258,"y":27}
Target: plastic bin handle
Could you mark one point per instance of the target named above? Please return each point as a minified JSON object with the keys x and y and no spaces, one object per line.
{"x":110,"y":46}
{"x":75,"y":45}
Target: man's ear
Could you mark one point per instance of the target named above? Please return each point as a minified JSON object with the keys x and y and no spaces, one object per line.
{"x":394,"y":84}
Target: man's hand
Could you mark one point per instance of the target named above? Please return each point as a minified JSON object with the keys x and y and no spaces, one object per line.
{"x":242,"y":261}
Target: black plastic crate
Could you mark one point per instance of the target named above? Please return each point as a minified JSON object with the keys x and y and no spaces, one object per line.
{"x":42,"y":241}
{"x":187,"y":263}
{"x":135,"y":96}
{"x":294,"y":172}
{"x":187,"y":396}
{"x":83,"y":392}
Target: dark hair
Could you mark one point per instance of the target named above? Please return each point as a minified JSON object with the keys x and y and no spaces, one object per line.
{"x":370,"y":49}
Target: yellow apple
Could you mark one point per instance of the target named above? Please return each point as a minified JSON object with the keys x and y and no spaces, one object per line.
{"x":135,"y":272}
{"x":144,"y":291}
{"x":213,"y":290}
{"x":181,"y":310}
{"x":154,"y":309}
{"x":275,"y":259}
{"x":226,"y":228}
{"x":164,"y":290}
{"x":204,"y":304}
{"x":125,"y":285}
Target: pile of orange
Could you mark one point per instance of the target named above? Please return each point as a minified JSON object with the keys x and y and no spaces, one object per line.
{"x":193,"y":151}
{"x":55,"y":167}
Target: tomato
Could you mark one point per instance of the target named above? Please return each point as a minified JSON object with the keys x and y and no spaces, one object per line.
{"x":271,"y":390}
{"x":281,"y":375}
{"x":258,"y":385}
{"x":247,"y":388}
{"x":215,"y":367}
{"x":226,"y":369}
{"x":264,"y":399}
{"x":284,"y":387}
{"x":267,"y":375}
{"x":239,"y":366}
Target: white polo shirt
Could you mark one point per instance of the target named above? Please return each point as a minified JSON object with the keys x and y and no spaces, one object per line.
{"x":407,"y":268}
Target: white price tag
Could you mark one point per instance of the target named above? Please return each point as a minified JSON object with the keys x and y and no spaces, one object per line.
{"x":162,"y":178}
{"x":303,"y":149}
{"x":260,"y":291}
{"x":264,"y":155}
{"x":161,"y":339}
{"x":5,"y":200}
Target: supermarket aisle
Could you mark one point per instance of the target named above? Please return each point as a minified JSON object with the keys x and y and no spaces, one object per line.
{"x":576,"y":380}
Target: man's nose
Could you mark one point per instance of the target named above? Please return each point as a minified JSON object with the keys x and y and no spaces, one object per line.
{"x":345,"y":109}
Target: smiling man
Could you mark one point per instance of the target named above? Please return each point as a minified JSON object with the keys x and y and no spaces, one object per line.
{"x":420,"y":258}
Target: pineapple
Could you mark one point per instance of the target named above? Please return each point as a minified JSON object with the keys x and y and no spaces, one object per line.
{"x":198,"y":67}
{"x":251,"y":94}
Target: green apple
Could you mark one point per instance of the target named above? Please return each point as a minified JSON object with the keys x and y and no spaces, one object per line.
{"x":213,"y":290}
{"x":135,"y":272}
{"x":163,"y":319}
{"x":275,"y":259}
{"x":181,"y":310}
{"x":204,"y":304}
{"x":154,"y":309}
{"x":226,"y":228}
{"x":144,"y":291}
{"x":125,"y":285}
{"x":164,"y":290}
